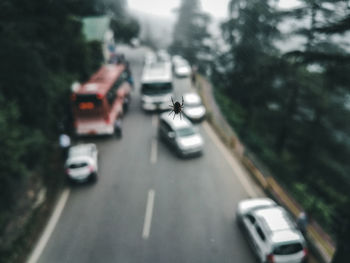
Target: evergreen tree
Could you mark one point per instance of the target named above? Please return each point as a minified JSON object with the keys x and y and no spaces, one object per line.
{"x":250,"y":33}
{"x":190,"y":32}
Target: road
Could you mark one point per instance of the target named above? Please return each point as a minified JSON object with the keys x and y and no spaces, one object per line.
{"x":149,"y":205}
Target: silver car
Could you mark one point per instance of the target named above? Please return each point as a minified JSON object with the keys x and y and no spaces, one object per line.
{"x":272,"y":233}
{"x":193,"y":107}
{"x":182,"y":68}
{"x":81,"y":164}
{"x":180,"y":134}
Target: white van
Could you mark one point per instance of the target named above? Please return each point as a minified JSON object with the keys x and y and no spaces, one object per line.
{"x":156,"y":86}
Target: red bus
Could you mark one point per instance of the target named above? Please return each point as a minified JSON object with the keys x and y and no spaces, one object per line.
{"x":99,"y":102}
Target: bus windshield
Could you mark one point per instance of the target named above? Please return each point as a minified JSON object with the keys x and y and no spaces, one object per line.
{"x":156,"y":88}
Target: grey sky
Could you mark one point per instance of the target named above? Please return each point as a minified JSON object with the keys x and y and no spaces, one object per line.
{"x":216,"y":8}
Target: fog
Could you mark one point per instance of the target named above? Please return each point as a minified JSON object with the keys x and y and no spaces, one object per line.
{"x":217,"y":9}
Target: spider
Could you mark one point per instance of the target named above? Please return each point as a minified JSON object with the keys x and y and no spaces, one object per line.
{"x":177,"y":107}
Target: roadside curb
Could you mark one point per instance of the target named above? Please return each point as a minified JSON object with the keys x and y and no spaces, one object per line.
{"x":320,"y":242}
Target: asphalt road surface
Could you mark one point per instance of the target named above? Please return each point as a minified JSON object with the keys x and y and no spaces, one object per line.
{"x":149,"y":205}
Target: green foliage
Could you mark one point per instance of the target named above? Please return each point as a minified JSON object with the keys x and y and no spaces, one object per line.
{"x":290,"y":109}
{"x":125,"y":29}
{"x":190,"y":33}
{"x":42,"y":52}
{"x":12,"y":151}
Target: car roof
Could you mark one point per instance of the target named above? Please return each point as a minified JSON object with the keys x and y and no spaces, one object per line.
{"x":192,"y":98}
{"x":251,"y":204}
{"x":176,"y":123}
{"x":181,"y":62}
{"x":81,"y":150}
{"x":286,"y":236}
{"x":275,"y":218}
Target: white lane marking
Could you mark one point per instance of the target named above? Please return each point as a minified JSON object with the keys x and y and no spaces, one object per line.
{"x":154,"y":120}
{"x":40,"y":246}
{"x":154,"y":150}
{"x":233,"y":162}
{"x":148,"y":215}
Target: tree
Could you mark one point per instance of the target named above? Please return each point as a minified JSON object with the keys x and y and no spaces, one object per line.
{"x":125,"y":29}
{"x":292,"y":105}
{"x":190,"y":32}
{"x":250,"y":33}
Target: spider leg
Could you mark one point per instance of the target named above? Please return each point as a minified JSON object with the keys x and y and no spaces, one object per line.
{"x":182,"y":101}
{"x":170,"y":112}
{"x":180,"y":115}
{"x":172,"y":100}
{"x":174,"y":115}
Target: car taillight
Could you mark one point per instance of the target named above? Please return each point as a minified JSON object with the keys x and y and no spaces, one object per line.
{"x":91,"y":168}
{"x":269,"y":258}
{"x":67,"y":171}
{"x":305,"y":251}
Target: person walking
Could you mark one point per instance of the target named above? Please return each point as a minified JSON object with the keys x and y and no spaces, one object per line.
{"x":194,"y":75}
{"x":302,"y":222}
{"x":118,"y":128}
{"x":65,"y":143}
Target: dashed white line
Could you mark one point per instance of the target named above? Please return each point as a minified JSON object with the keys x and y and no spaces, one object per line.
{"x":148,"y":215}
{"x":154,"y":150}
{"x":154,"y":120}
{"x":39,"y":248}
{"x":235,"y":166}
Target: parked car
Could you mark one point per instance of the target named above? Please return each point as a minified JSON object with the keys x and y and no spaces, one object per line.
{"x":271,"y":231}
{"x":180,"y":134}
{"x":182,"y":68}
{"x":193,"y":107}
{"x":81,"y":164}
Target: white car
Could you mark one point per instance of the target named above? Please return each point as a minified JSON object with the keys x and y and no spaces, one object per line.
{"x":81,"y":164}
{"x":272,"y":233}
{"x":150,"y":58}
{"x":193,"y":107}
{"x":182,"y":68}
{"x":180,"y":134}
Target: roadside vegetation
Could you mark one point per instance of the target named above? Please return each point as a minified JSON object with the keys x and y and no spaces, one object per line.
{"x":42,"y":51}
{"x":290,"y":108}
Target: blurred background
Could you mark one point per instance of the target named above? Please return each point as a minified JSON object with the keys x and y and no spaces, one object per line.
{"x":277,"y":73}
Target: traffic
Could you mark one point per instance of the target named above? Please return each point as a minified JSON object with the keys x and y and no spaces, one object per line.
{"x":102,"y":101}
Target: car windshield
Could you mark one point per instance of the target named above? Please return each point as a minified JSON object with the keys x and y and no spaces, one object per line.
{"x":182,"y":64}
{"x":287,"y":249}
{"x":184,"y":132}
{"x":193,"y":104}
{"x":79,"y":151}
{"x":77,"y":165}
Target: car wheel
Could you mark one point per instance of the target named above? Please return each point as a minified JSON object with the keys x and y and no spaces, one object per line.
{"x":69,"y":181}
{"x":94,"y":177}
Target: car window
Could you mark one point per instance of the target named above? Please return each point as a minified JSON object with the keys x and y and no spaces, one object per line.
{"x":260,"y":233}
{"x":193,"y":104}
{"x":185,"y":132}
{"x":251,"y":219}
{"x":288,"y":249}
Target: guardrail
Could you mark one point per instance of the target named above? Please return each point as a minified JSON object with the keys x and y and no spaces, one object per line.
{"x":319,"y":241}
